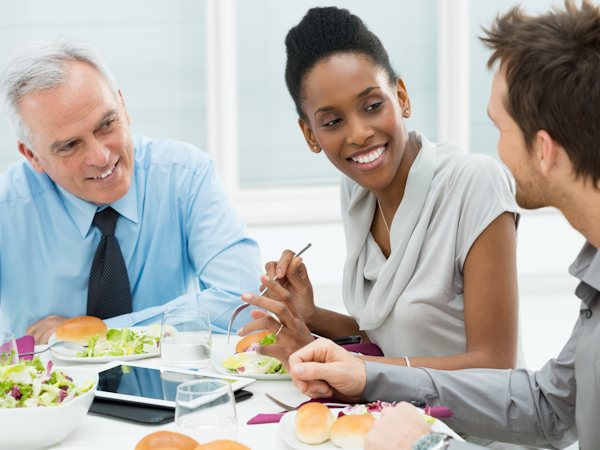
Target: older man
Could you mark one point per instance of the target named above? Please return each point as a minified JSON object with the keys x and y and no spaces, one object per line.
{"x":96,"y":221}
{"x":545,"y":101}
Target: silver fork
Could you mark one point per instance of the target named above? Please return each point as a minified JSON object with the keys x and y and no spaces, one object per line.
{"x":66,"y":344}
{"x":294,"y":408}
{"x":240,"y":308}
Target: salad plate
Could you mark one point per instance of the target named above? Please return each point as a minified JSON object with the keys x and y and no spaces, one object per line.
{"x":66,"y":354}
{"x":222,"y":352}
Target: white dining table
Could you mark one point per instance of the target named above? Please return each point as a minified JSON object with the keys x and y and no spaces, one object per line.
{"x":96,"y":431}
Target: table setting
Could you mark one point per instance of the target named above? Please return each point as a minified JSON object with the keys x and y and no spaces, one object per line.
{"x":180,"y":386}
{"x":261,"y":421}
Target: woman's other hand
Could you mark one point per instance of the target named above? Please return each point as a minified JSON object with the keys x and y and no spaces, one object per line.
{"x":292,"y":333}
{"x":293,"y":278}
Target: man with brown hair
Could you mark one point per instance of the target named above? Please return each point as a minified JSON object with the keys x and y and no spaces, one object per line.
{"x":546,"y":103}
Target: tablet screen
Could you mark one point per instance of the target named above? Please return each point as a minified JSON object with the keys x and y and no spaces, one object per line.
{"x":145,"y":382}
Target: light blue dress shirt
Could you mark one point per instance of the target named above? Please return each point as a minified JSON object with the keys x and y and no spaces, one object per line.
{"x":182,"y":241}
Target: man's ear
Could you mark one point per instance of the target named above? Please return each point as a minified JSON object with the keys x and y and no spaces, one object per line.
{"x":311,"y":140}
{"x":547,"y":151}
{"x":31,"y":157}
{"x":125,"y":108}
{"x":403,"y":99}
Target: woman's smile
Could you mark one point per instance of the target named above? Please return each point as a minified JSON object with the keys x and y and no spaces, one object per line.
{"x":369,"y":159}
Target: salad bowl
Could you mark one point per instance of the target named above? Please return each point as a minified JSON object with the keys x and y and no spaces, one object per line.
{"x":29,"y":428}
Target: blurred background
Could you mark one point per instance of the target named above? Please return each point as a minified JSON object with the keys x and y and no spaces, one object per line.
{"x":211,"y":73}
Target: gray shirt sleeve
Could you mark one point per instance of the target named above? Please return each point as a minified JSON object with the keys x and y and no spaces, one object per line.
{"x":518,"y":406}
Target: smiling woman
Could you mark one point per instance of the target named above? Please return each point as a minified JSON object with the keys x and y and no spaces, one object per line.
{"x":430,"y":272}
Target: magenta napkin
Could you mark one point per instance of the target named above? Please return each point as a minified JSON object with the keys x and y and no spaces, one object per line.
{"x":26,"y":344}
{"x":366,"y":348}
{"x":434,"y":411}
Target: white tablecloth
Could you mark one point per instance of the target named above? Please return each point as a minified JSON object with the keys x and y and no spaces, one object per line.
{"x":96,"y":431}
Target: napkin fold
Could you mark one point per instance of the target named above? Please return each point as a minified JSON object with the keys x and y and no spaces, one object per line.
{"x":434,"y":411}
{"x":366,"y":348}
{"x":26,"y":344}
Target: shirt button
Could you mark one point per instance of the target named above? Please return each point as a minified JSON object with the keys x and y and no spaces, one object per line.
{"x":587,"y":313}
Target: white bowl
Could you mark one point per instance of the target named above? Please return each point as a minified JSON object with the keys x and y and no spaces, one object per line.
{"x":29,"y":428}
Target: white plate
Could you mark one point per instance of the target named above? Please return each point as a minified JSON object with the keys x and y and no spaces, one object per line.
{"x":226,"y":350}
{"x":69,"y":355}
{"x":288,"y":432}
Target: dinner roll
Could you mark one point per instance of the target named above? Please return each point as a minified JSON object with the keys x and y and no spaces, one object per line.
{"x":166,"y":440}
{"x":251,"y":339}
{"x":79,"y":329}
{"x":222,"y":445}
{"x":313,"y":422}
{"x":350,"y":431}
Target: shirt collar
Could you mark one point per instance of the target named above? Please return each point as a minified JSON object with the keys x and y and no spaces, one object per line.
{"x":82,"y":212}
{"x":586,"y":266}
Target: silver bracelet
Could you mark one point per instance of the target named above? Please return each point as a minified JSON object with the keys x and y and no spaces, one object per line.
{"x":407,"y":361}
{"x":432,"y":441}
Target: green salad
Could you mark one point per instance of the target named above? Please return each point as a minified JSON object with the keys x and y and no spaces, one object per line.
{"x":29,"y":384}
{"x":250,"y":362}
{"x":123,"y":342}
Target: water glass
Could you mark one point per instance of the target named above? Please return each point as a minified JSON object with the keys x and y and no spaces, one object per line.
{"x":8,"y":345}
{"x":186,"y":340}
{"x":205,"y":411}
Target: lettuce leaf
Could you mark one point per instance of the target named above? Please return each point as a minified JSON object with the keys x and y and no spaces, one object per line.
{"x":268,"y":340}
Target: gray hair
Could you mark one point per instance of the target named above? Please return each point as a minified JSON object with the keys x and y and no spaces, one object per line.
{"x":42,"y":66}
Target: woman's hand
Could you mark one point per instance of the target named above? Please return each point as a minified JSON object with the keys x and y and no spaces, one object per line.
{"x":294,"y":279}
{"x":291,"y":331}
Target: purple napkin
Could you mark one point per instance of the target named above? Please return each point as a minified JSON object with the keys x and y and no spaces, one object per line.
{"x":26,"y":344}
{"x":366,"y":348}
{"x":434,"y":411}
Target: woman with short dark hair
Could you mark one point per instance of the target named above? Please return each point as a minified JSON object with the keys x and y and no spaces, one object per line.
{"x":430,"y":274}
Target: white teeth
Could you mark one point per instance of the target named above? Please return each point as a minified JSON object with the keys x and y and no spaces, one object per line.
{"x":375,"y":154}
{"x":107,"y":173}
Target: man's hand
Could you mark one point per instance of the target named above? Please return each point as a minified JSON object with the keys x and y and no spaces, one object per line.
{"x":397,"y":428}
{"x":324,"y":369}
{"x":43,"y":329}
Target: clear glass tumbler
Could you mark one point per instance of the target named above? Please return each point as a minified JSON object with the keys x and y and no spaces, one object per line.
{"x":8,"y":347}
{"x":205,"y":411}
{"x":186,"y":340}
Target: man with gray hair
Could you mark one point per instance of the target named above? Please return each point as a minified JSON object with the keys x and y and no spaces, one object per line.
{"x":98,"y":222}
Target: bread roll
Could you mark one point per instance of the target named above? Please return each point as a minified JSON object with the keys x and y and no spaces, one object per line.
{"x":222,"y":445}
{"x":313,"y":422}
{"x":350,"y":431}
{"x":163,"y":440}
{"x":79,"y":329}
{"x":251,"y":339}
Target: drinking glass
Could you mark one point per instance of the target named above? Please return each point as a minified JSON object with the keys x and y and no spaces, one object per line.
{"x":186,"y":340}
{"x":205,"y":411}
{"x":7,"y":346}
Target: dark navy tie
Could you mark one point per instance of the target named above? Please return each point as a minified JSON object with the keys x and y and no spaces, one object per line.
{"x":109,"y":294}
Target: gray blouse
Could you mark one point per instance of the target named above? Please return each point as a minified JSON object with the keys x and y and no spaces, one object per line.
{"x":412,"y":302}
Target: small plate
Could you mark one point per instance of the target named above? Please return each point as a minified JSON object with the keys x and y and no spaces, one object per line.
{"x":66,"y":354}
{"x":224,"y":351}
{"x":287,"y":430}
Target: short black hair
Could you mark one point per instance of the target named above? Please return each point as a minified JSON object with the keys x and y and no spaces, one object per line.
{"x":323,"y":33}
